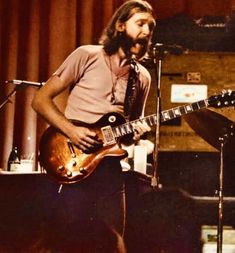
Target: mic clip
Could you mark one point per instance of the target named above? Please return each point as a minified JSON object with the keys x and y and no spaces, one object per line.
{"x":25,"y":83}
{"x":171,"y":49}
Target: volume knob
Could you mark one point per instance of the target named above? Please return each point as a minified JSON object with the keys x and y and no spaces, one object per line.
{"x":60,"y":168}
{"x":69,"y":173}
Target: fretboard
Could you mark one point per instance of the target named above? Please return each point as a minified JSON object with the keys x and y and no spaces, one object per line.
{"x":151,"y":120}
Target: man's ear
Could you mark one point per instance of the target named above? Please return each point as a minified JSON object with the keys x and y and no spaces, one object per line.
{"x":120,"y":27}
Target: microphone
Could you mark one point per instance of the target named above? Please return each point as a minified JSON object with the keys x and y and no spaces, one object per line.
{"x":172,"y":49}
{"x":25,"y":83}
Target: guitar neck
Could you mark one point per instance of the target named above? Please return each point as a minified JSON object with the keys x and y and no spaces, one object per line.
{"x":182,"y":110}
{"x":151,"y":120}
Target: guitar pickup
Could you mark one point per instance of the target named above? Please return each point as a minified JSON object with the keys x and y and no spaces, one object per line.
{"x":108,"y":135}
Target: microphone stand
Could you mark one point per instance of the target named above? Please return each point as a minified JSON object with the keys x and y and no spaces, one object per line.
{"x":157,"y":60}
{"x":19,"y":84}
{"x":158,"y":53}
{"x":11,"y":94}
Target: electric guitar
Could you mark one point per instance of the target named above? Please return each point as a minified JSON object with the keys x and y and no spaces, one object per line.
{"x":66,"y":163}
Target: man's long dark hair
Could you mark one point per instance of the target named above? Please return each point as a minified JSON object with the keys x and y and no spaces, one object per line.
{"x":111,"y":37}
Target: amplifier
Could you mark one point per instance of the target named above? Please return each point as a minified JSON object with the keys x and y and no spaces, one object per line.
{"x":209,"y":239}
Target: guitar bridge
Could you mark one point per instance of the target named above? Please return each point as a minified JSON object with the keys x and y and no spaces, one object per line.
{"x":71,"y":148}
{"x":108,"y":135}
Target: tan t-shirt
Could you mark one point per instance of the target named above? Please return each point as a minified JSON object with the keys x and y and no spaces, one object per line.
{"x":88,"y":73}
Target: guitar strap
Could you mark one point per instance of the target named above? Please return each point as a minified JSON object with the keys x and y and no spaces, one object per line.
{"x":131,"y":90}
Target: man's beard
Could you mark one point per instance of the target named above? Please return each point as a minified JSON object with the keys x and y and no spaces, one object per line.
{"x":134,"y":47}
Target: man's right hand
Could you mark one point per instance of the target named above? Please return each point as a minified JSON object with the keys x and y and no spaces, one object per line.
{"x":85,"y":139}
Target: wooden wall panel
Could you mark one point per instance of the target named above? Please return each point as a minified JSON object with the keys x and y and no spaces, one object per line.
{"x":192,"y":8}
{"x":217,"y":72}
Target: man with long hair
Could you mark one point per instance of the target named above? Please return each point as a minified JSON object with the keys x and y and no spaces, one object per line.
{"x":102,"y":79}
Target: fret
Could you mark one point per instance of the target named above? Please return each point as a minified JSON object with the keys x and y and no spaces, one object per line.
{"x":115,"y":132}
{"x":177,"y":111}
{"x":139,"y":120}
{"x":147,"y":120}
{"x":132,"y":126}
{"x":182,"y":110}
{"x":155,"y":119}
{"x":128,"y":128}
{"x":150,"y":120}
{"x":188,"y":108}
{"x":118,"y":132}
{"x":195,"y":106}
{"x":166,"y":115}
{"x":171,"y":114}
{"x":144,"y":120}
{"x":202,"y":104}
{"x":123,"y":131}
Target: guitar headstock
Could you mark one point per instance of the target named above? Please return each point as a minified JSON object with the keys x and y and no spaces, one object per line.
{"x":225,"y":99}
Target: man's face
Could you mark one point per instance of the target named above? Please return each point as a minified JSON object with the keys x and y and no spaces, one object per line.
{"x":138,"y":33}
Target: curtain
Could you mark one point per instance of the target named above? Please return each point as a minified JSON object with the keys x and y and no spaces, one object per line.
{"x":36,"y":36}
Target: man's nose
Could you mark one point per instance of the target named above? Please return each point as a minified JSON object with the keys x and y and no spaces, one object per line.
{"x":146,"y":29}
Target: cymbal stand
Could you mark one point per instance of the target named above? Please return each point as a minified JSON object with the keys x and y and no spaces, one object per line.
{"x":220,"y":203}
{"x":223,"y":140}
{"x":157,"y":60}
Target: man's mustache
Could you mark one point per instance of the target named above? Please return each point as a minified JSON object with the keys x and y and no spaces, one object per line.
{"x":142,"y":41}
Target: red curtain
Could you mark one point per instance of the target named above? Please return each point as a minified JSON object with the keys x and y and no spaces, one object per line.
{"x":36,"y":36}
